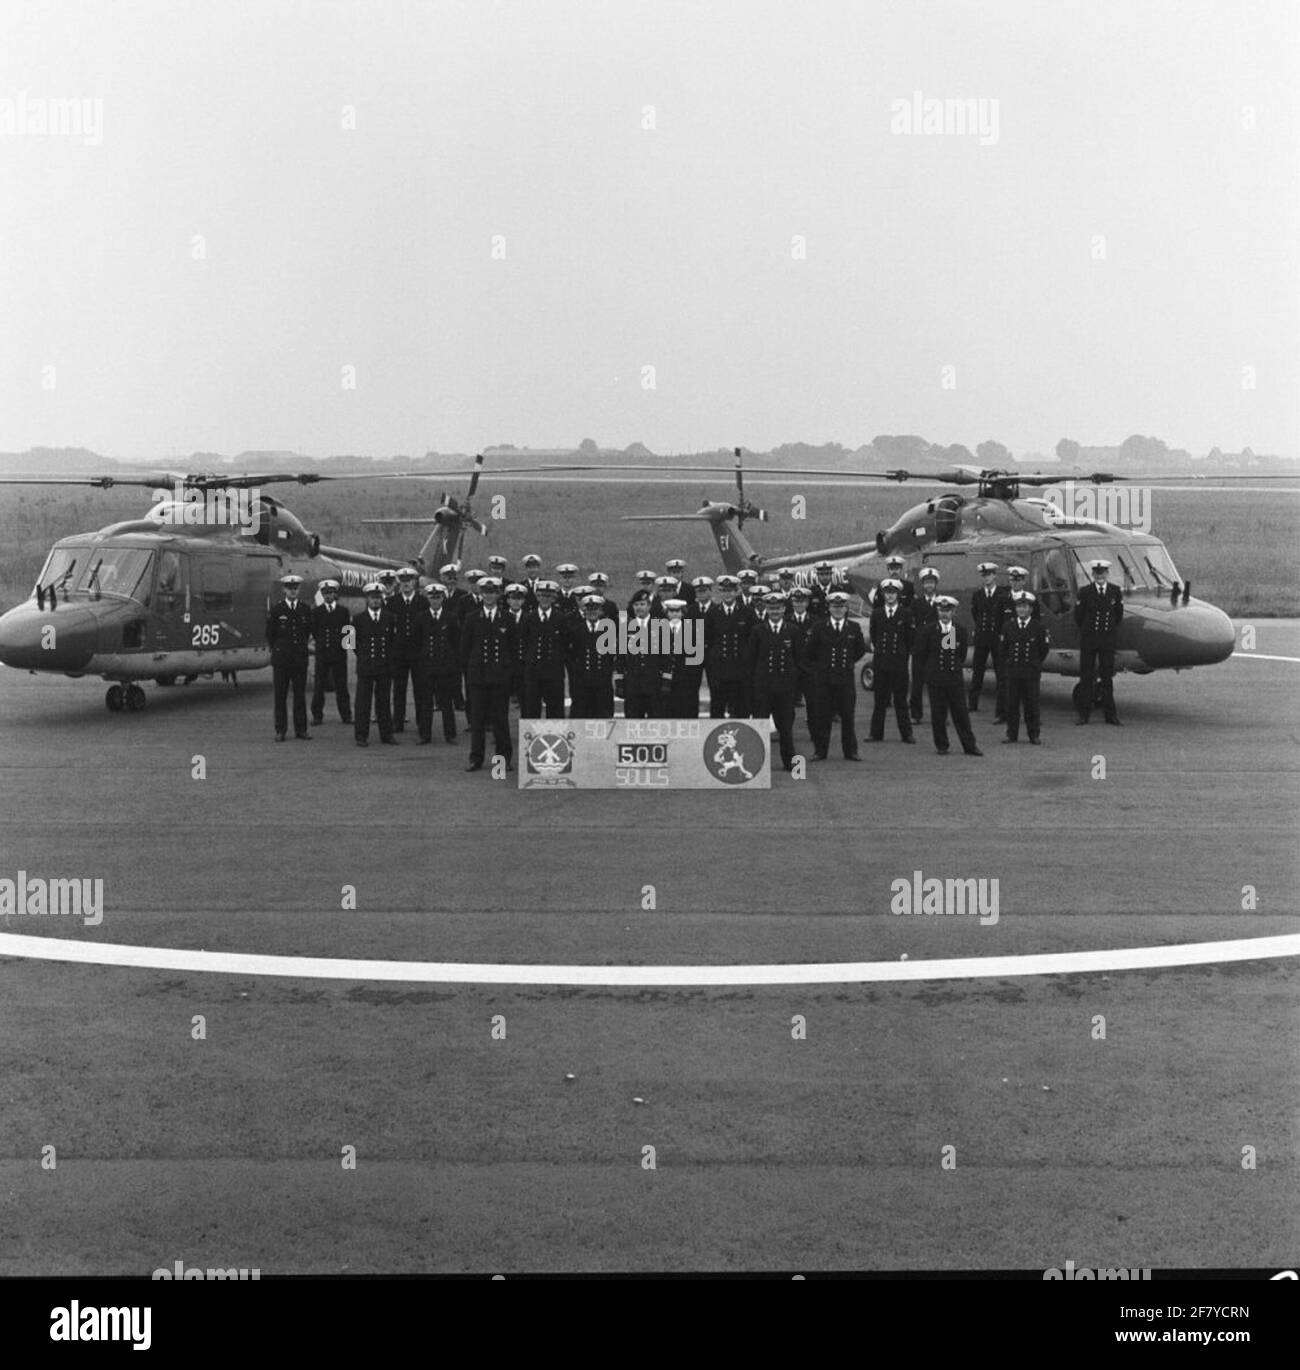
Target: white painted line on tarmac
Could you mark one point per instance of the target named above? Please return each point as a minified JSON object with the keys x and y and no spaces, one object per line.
{"x":1260,"y":656}
{"x":830,"y":973}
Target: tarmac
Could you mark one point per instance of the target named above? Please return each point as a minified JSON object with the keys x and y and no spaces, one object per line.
{"x":771,"y":1149}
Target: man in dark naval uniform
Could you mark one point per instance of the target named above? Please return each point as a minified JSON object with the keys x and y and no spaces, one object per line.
{"x":894,"y":565}
{"x":832,"y":651}
{"x":891,"y":647}
{"x":774,"y":652}
{"x":544,"y":649}
{"x":925,"y":610}
{"x":727,"y":625}
{"x":990,"y":607}
{"x":288,"y":634}
{"x":437,"y":665}
{"x":375,"y":638}
{"x":1024,"y":646}
{"x":328,"y":620}
{"x":642,"y":671}
{"x":591,"y":670}
{"x":489,"y":645}
{"x":405,"y":606}
{"x":940,"y":652}
{"x":1098,"y":613}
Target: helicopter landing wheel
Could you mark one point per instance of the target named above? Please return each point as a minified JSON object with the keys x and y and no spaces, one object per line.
{"x":114,"y":697}
{"x":135,"y":699}
{"x":867,"y":678}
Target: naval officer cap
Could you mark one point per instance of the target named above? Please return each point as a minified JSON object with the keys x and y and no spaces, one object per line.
{"x":674,"y":564}
{"x":894,"y":560}
{"x":785,"y":573}
{"x":408,"y":573}
{"x":496,"y":559}
{"x":945,"y":601}
{"x":372,"y":587}
{"x":489,"y":584}
{"x":386,"y":574}
{"x":891,"y":584}
{"x":823,"y":566}
{"x":987,"y":568}
{"x":566,"y":568}
{"x":1022,"y":597}
{"x":702,"y":583}
{"x":329,"y":585}
{"x":646,"y":577}
{"x":514,"y":588}
{"x":747,"y":575}
{"x":452,"y":568}
{"x":837,"y":597}
{"x":474,"y":576}
{"x":291,"y":579}
{"x":590,"y":601}
{"x":676,"y":605}
{"x":598,"y":578}
{"x":929,"y":573}
{"x":435,"y":590}
{"x":800,"y":592}
{"x":665,"y":582}
{"x":547,"y":587}
{"x":1099,"y":565}
{"x":759,"y":593}
{"x":728,"y":583}
{"x":1017,"y":571}
{"x":776,"y":597}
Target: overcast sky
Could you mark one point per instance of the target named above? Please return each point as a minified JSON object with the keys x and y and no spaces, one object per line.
{"x":1106,"y":258}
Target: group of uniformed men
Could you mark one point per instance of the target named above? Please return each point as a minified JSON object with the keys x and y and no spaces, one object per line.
{"x":765,"y":648}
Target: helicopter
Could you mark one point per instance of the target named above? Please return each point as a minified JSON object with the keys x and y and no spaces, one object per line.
{"x":184,"y":590}
{"x":1164,"y":627}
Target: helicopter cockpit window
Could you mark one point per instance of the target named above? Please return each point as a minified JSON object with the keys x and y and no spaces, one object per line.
{"x":60,"y":568}
{"x":115,"y":571}
{"x":169,"y":579}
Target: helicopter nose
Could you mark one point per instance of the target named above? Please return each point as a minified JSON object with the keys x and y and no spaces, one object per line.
{"x":59,"y":639}
{"x":1191,"y":634}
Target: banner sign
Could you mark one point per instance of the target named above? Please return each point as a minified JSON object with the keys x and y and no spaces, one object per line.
{"x":644,"y":754}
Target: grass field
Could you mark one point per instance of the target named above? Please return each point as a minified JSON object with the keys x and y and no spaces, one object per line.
{"x":1238,"y":549}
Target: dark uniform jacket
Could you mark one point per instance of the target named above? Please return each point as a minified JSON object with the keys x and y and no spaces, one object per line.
{"x":726,"y":642}
{"x":460,"y":602}
{"x":831,"y":654}
{"x":774,"y":656}
{"x":288,"y":631}
{"x":375,"y":642}
{"x":1098,"y":615}
{"x":817,"y":592}
{"x":1024,"y":647}
{"x":923,"y":611}
{"x":891,"y":638}
{"x":936,"y":662}
{"x":989,"y":610}
{"x":404,"y":619}
{"x":642,"y":672}
{"x":327,"y":627}
{"x":544,"y":644}
{"x":587,"y":665}
{"x":437,"y":642}
{"x":488,"y":651}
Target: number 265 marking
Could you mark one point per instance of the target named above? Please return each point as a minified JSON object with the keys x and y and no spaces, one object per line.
{"x":206,"y":635}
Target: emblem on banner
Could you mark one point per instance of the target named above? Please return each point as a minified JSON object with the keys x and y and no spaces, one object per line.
{"x":548,"y":755}
{"x":734,"y":753}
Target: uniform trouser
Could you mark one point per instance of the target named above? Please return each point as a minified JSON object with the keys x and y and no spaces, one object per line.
{"x":1022,"y":692}
{"x":728,"y":698}
{"x":591,"y":701}
{"x":1096,"y":665}
{"x":778,"y":705}
{"x":402,"y":672}
{"x":489,"y":705}
{"x":889,"y":685}
{"x":286,"y":673}
{"x":331,"y":674}
{"x":428,"y":688}
{"x":947,"y":696}
{"x":834,"y":697}
{"x":918,"y":692}
{"x":684,"y":699}
{"x":984,"y":653}
{"x":539,"y":694}
{"x":373,"y":690}
{"x":640,"y":703}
